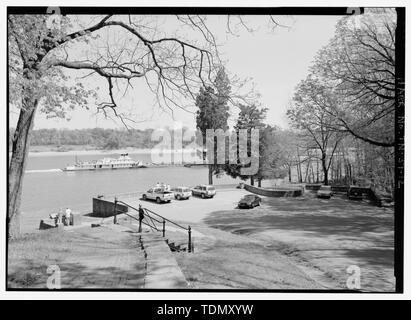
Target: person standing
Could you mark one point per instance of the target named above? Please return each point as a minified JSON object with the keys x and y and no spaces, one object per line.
{"x":140,"y":217}
{"x":67,"y":217}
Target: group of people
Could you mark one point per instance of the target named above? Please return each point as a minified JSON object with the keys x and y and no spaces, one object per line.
{"x":65,"y":218}
{"x":165,"y":187}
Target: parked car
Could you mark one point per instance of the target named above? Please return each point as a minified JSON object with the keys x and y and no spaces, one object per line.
{"x":355,"y":193}
{"x":159,"y":195}
{"x":181,"y":193}
{"x":203,"y":191}
{"x":324,"y":192}
{"x":249,"y":201}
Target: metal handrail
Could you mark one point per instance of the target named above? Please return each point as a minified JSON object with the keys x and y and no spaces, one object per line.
{"x":178,"y":225}
{"x":127,"y":205}
{"x":190,"y":244}
{"x":129,"y":215}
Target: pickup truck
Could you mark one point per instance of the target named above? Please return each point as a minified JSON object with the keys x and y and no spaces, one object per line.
{"x":158,"y":194}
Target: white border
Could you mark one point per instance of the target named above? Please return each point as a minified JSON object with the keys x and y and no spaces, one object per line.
{"x":192,"y":295}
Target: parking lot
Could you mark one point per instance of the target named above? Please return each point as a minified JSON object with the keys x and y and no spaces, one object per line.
{"x":324,"y":237}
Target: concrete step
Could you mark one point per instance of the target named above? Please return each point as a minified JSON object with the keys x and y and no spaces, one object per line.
{"x":163,"y":271}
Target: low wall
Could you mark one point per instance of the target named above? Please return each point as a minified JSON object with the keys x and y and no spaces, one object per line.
{"x":334,"y":188}
{"x":287,"y":192}
{"x":339,"y":188}
{"x":313,"y":186}
{"x":104,"y":208}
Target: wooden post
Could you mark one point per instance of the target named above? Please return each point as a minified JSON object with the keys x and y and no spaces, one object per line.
{"x":189,"y":239}
{"x":164,"y":228}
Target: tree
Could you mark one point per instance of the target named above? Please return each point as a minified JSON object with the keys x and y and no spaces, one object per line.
{"x":250,"y":117}
{"x":308,"y":114}
{"x":359,"y":64}
{"x":213,"y":113}
{"x":171,"y":67}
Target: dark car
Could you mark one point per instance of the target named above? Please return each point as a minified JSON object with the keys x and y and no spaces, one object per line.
{"x":355,"y":193}
{"x":324,"y":192}
{"x":249,"y":201}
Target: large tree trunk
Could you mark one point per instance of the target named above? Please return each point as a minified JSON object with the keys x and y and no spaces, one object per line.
{"x":17,"y":165}
{"x":325,"y":169}
{"x":252,"y":180}
{"x":210,"y":174}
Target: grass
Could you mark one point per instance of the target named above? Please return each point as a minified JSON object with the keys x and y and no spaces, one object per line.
{"x":226,"y":261}
{"x":30,"y":255}
{"x":87,"y":257}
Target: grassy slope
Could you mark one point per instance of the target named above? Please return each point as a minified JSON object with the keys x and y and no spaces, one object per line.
{"x":224,"y":260}
{"x":87,"y":257}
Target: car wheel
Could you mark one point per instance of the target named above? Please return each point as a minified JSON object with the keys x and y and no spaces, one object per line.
{"x":202,"y":195}
{"x":144,"y":197}
{"x":178,"y":197}
{"x":158,"y":200}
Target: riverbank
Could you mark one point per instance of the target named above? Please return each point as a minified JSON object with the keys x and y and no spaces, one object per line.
{"x":44,"y":151}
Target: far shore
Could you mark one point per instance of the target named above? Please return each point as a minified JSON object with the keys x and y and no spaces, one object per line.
{"x":105,"y":152}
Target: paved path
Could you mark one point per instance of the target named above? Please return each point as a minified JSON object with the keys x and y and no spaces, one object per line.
{"x":163,"y":271}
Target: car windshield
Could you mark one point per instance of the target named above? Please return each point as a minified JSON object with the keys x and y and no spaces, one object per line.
{"x":326,"y":188}
{"x":249,"y":196}
{"x":185,"y":190}
{"x":210,"y":188}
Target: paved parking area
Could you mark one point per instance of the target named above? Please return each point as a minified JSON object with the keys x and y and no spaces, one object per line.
{"x":324,"y":237}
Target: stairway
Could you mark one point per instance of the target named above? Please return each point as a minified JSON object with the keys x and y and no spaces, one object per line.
{"x":162,"y":270}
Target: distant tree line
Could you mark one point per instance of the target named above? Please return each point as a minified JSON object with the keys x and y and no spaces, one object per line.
{"x":98,"y":138}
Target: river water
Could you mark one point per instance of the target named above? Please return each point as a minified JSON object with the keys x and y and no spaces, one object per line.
{"x":46,"y":188}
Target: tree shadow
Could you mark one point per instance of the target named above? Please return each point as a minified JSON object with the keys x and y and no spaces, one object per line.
{"x":77,"y":276}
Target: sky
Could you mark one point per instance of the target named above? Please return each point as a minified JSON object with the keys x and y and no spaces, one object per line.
{"x":276,"y":61}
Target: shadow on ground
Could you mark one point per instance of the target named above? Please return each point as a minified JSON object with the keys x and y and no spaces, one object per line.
{"x":326,"y":235}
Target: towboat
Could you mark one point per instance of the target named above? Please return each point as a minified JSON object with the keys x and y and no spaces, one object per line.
{"x":123,"y":162}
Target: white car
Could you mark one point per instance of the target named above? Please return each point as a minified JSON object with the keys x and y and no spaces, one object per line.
{"x":181,"y":193}
{"x":204,"y":191}
{"x":159,"y":195}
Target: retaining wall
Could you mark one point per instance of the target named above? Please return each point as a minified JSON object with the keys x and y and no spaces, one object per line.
{"x":104,"y":208}
{"x":286,"y":192}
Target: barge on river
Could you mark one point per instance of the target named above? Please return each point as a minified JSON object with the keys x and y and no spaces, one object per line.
{"x":123,"y":162}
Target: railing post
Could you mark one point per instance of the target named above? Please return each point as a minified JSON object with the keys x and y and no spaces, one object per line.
{"x":164,"y":228}
{"x":189,"y":239}
{"x":115,"y":210}
{"x":140,"y":218}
